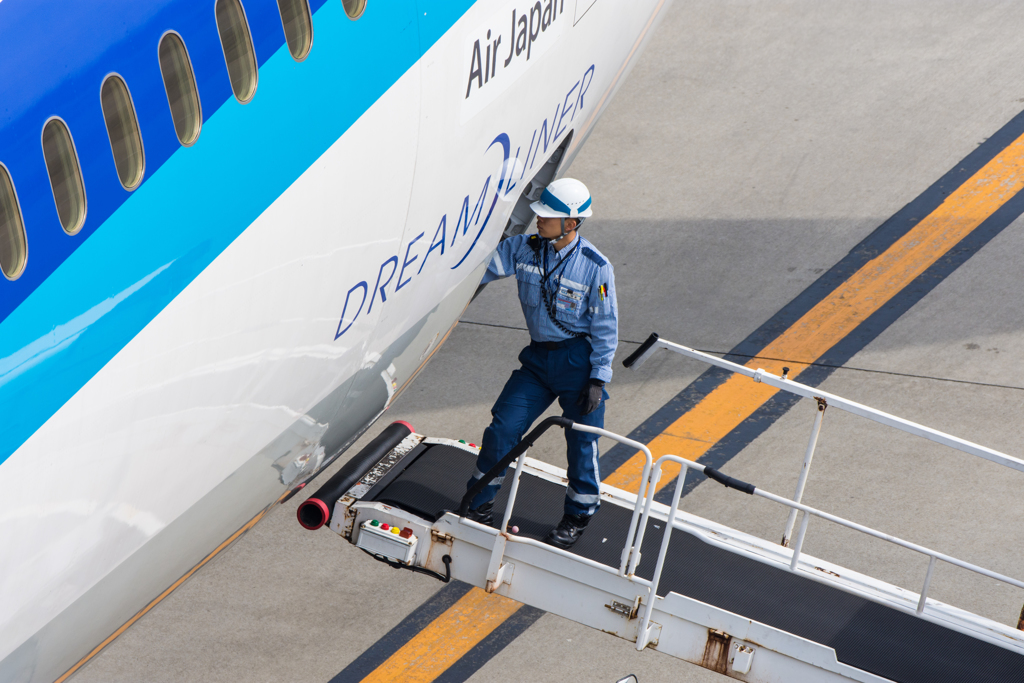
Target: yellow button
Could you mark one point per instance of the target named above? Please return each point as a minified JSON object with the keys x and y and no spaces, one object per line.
{"x":395,"y":530}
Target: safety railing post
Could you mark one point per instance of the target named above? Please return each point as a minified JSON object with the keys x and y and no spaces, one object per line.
{"x":799,"y":541}
{"x":924,"y":589}
{"x":644,"y":633}
{"x":802,"y":481}
{"x":495,"y":566}
{"x":647,"y":501}
{"x":630,"y":551}
{"x":512,"y":492}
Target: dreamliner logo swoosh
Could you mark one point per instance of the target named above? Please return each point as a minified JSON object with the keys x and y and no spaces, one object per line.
{"x":546,"y":135}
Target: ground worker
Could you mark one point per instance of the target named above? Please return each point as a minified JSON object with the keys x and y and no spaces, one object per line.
{"x":567,"y":290}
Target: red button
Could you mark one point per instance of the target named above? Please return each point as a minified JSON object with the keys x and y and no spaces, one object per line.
{"x":406,"y":533}
{"x":384,"y":527}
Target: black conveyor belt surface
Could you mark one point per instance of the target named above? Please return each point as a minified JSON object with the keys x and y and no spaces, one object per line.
{"x":864,"y":634}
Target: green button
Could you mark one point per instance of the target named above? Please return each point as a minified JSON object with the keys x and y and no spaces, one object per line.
{"x":462,"y":441}
{"x":374,"y":523}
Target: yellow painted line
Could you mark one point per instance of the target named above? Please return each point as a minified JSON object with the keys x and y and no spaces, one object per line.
{"x":124,"y":627}
{"x":866,"y":291}
{"x":447,"y":639}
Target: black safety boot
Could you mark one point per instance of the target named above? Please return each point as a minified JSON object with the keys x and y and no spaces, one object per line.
{"x":483,"y":514}
{"x":568,"y":531}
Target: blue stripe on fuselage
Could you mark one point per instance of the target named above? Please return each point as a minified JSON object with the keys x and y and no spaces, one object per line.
{"x":199,"y":200}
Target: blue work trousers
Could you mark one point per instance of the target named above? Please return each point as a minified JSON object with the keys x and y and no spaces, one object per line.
{"x":546,"y":374}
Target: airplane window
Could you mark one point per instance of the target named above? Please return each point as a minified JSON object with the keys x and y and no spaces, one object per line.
{"x":238,"y":51}
{"x":180,"y":84}
{"x":123,"y":131}
{"x":354,"y":8}
{"x":298,"y":26}
{"x":13,"y":248}
{"x":65,"y":175}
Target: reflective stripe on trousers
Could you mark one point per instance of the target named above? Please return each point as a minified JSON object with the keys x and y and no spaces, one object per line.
{"x":546,"y":375}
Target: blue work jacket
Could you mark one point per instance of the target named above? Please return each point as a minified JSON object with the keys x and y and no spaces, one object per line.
{"x":581,"y":292}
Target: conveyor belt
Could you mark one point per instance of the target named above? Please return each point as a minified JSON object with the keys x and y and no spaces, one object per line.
{"x":864,"y":634}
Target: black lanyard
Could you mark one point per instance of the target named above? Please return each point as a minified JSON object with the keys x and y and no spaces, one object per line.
{"x":548,"y":303}
{"x":545,"y":276}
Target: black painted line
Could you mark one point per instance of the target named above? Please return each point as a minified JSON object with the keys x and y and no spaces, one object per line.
{"x":522,"y":619}
{"x":393,"y":640}
{"x":883,"y":237}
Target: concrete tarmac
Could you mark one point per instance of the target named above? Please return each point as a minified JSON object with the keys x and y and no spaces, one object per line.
{"x":754,"y":144}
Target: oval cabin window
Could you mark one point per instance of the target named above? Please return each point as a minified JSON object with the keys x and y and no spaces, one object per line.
{"x":123,"y":131}
{"x":180,"y":85}
{"x":13,"y":247}
{"x":354,"y":8}
{"x":65,"y":175}
{"x":238,"y":51}
{"x":298,"y":26}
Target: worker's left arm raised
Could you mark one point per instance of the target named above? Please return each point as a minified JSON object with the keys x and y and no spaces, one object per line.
{"x":503,"y":263}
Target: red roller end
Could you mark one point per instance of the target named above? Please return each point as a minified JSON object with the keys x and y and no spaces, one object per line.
{"x":404,"y":423}
{"x":313,"y":513}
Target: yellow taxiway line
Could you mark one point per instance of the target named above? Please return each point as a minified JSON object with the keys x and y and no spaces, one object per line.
{"x":838,"y":314}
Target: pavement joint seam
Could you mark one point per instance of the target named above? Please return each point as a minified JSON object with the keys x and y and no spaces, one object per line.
{"x":850,"y":368}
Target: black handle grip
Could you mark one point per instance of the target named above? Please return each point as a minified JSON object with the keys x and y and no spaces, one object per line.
{"x":517,"y":450}
{"x":648,"y":343}
{"x":729,"y":482}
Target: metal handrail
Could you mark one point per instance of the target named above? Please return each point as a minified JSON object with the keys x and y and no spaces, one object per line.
{"x":630,"y":556}
{"x":642,"y":512}
{"x":824,"y":400}
{"x":520,"y":448}
{"x":654,"y":342}
{"x":934,"y":554}
{"x":630,"y":553}
{"x":794,"y":562}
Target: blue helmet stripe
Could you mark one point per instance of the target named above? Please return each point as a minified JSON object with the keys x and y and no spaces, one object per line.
{"x":557,"y":204}
{"x":554,"y":202}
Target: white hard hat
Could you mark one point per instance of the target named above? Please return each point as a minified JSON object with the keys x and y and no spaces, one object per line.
{"x":564,"y":198}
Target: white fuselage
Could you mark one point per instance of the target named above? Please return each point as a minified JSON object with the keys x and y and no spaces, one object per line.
{"x":303,"y":329}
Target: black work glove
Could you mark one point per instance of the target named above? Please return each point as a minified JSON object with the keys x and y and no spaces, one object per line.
{"x":590,"y":397}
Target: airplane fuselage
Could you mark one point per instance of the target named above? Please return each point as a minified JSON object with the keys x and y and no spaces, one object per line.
{"x":205,"y":340}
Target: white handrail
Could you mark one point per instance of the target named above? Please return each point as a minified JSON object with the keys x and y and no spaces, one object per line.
{"x":885,"y":537}
{"x":630,"y":553}
{"x":644,"y":634}
{"x":630,"y":556}
{"x":794,"y":564}
{"x":765,"y":377}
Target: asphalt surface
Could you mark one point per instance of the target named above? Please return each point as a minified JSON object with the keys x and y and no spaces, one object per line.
{"x":754,"y":144}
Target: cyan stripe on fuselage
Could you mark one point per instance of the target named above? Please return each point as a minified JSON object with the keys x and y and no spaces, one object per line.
{"x":199,"y":200}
